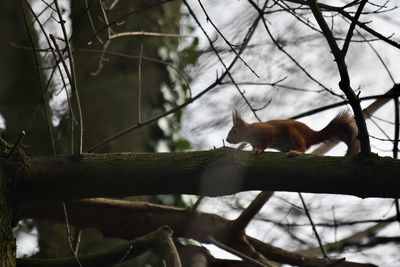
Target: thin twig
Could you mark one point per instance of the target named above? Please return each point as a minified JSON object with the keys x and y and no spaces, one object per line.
{"x":362,"y":25}
{"x":226,"y":40}
{"x":102,"y":58}
{"x":153,"y":34}
{"x":396,"y":127}
{"x":113,"y":4}
{"x":17,"y":144}
{"x":189,"y":101}
{"x":280,"y":47}
{"x":69,"y":78}
{"x":335,"y":224}
{"x":381,"y":130}
{"x":344,"y":83}
{"x":140,"y":85}
{"x":275,"y":84}
{"x":121,"y":18}
{"x":69,"y":235}
{"x":40,"y":80}
{"x":77,"y":240}
{"x":313,"y":226}
{"x":128,"y":56}
{"x":237,"y":253}
{"x":124,"y":257}
{"x":106,"y":43}
{"x":56,"y":66}
{"x":396,"y":145}
{"x":105,"y":18}
{"x":73,"y":83}
{"x":197,"y":203}
{"x":379,"y":57}
{"x":381,"y":98}
{"x":228,"y":73}
{"x":355,"y":238}
{"x":91,"y":21}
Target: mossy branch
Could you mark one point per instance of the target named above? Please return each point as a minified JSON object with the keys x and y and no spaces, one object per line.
{"x":209,"y":173}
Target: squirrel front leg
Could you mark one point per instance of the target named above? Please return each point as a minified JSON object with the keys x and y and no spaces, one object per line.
{"x":259,"y":147}
{"x":257,"y":150}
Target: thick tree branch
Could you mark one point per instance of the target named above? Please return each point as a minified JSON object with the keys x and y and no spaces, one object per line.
{"x":127,"y":220}
{"x":240,"y":224}
{"x":159,"y":240}
{"x":210,"y":173}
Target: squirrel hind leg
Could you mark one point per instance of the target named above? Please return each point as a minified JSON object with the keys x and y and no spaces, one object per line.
{"x":257,"y":150}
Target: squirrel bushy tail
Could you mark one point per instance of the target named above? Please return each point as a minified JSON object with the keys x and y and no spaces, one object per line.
{"x":342,"y":128}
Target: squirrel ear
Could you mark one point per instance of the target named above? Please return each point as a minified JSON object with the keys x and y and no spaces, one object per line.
{"x":236,"y":118}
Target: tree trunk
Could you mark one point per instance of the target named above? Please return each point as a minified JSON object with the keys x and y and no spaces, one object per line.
{"x":7,"y":241}
{"x":108,"y":89}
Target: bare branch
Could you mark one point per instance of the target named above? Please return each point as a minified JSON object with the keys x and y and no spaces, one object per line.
{"x":153,"y":34}
{"x":226,"y":40}
{"x":69,"y":237}
{"x":65,"y":178}
{"x":353,"y":239}
{"x":344,"y":83}
{"x":159,"y":240}
{"x":313,"y":226}
{"x":345,"y":14}
{"x":132,"y":219}
{"x":240,"y":224}
{"x":189,"y":101}
{"x":40,"y":80}
{"x":352,"y":26}
{"x":280,"y":47}
{"x":227,"y":70}
{"x":72,"y":77}
{"x":238,"y":253}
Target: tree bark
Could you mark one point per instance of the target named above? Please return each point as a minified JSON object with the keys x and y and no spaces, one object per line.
{"x":7,"y":241}
{"x":129,"y":220}
{"x":160,"y":240}
{"x":209,"y":173}
{"x":108,"y":83}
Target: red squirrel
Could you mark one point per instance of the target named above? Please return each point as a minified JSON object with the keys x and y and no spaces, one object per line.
{"x":293,"y":137}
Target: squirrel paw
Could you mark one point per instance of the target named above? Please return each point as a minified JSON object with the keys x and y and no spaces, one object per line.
{"x":257,"y":150}
{"x":294,"y":153}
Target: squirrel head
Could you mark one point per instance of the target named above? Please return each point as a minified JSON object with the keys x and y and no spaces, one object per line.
{"x":238,"y":131}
